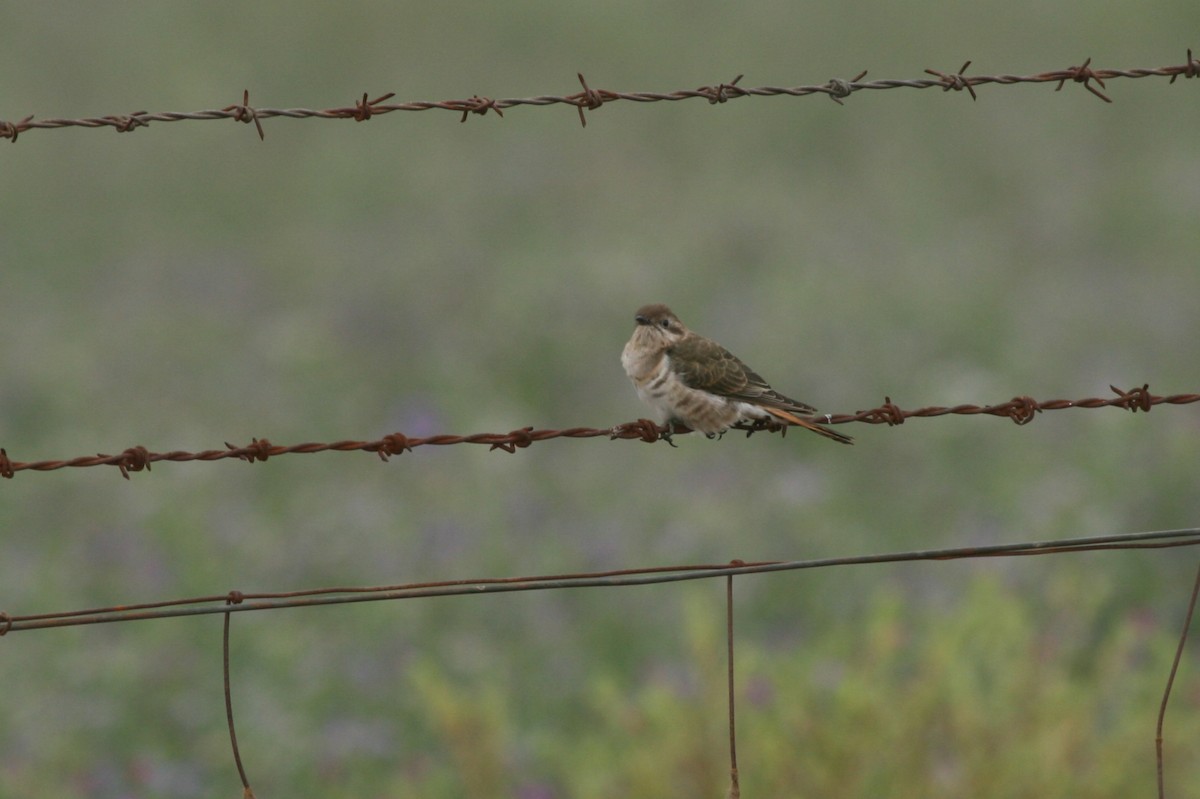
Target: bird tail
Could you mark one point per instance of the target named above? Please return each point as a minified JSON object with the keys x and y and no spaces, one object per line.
{"x":807,"y":424}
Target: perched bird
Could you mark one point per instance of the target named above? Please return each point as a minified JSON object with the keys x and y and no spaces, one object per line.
{"x":698,"y":383}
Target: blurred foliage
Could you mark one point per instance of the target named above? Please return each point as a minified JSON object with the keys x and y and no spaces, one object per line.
{"x":988,"y":698}
{"x":186,"y":284}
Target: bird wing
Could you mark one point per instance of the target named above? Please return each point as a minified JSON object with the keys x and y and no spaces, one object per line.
{"x":705,"y":365}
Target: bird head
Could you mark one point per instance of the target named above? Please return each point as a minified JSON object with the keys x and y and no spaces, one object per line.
{"x":657,"y":325}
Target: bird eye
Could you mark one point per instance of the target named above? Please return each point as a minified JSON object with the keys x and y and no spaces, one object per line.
{"x":666,"y":323}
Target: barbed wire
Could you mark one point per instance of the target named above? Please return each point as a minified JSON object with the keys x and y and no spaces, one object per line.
{"x":589,"y":99}
{"x":1020,"y":410}
{"x":236,"y":601}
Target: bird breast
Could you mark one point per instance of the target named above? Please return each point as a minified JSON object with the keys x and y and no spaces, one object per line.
{"x":641,"y":357}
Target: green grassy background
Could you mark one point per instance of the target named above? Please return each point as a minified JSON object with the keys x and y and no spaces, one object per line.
{"x":185,"y":285}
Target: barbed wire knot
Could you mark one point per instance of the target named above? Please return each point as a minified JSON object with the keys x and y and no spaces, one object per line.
{"x":6,"y":621}
{"x":645,"y":429}
{"x":259,"y":449}
{"x":589,"y":98}
{"x":234,"y":597}
{"x":1136,"y":399}
{"x":517,"y":438}
{"x":716,"y":94}
{"x":10,"y":130}
{"x":1022,"y":409}
{"x":393,"y":444}
{"x":837,"y":88}
{"x":126,"y":123}
{"x":956,"y":81}
{"x":364,"y":108}
{"x":888,"y":412}
{"x":6,"y":467}
{"x":1085,"y":74}
{"x":134,"y":459}
{"x":245,"y":113}
{"x":1191,"y":70}
{"x":477,"y":105}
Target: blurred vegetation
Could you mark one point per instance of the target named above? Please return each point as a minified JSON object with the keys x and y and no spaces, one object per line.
{"x":185,"y":285}
{"x":989,"y":698}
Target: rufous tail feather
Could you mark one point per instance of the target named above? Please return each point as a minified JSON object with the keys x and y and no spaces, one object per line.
{"x":799,"y":421}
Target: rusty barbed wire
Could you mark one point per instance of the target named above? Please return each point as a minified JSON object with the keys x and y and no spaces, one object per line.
{"x":837,"y":89}
{"x":1020,"y":410}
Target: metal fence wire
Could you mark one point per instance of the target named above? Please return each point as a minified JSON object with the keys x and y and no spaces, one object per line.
{"x":588,"y":99}
{"x":1021,"y":410}
{"x":239,"y":601}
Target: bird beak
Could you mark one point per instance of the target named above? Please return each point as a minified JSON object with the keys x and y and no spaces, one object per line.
{"x":641,"y":320}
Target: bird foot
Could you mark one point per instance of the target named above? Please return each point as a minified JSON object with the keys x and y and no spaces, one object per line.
{"x":769,"y":425}
{"x":673,"y":428}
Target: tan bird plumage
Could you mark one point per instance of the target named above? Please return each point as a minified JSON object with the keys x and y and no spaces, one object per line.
{"x":696,"y":382}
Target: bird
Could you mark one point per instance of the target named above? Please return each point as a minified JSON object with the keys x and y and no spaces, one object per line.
{"x":694,"y":381}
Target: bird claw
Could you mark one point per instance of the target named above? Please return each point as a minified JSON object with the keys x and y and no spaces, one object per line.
{"x":769,"y":425}
{"x":674,"y":427}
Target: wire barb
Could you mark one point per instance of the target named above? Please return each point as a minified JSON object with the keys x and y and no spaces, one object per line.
{"x":839,"y":88}
{"x":134,"y":459}
{"x":717,"y":94}
{"x":245,"y":113}
{"x":477,"y":105}
{"x":517,"y":438}
{"x":1085,"y":74}
{"x":589,"y":98}
{"x":259,"y":449}
{"x":1136,"y":399}
{"x":393,"y":444}
{"x":1023,"y":409}
{"x":956,"y":81}
{"x":645,"y":429}
{"x":1189,"y":70}
{"x":888,"y":413}
{"x":364,"y":108}
{"x":10,"y":130}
